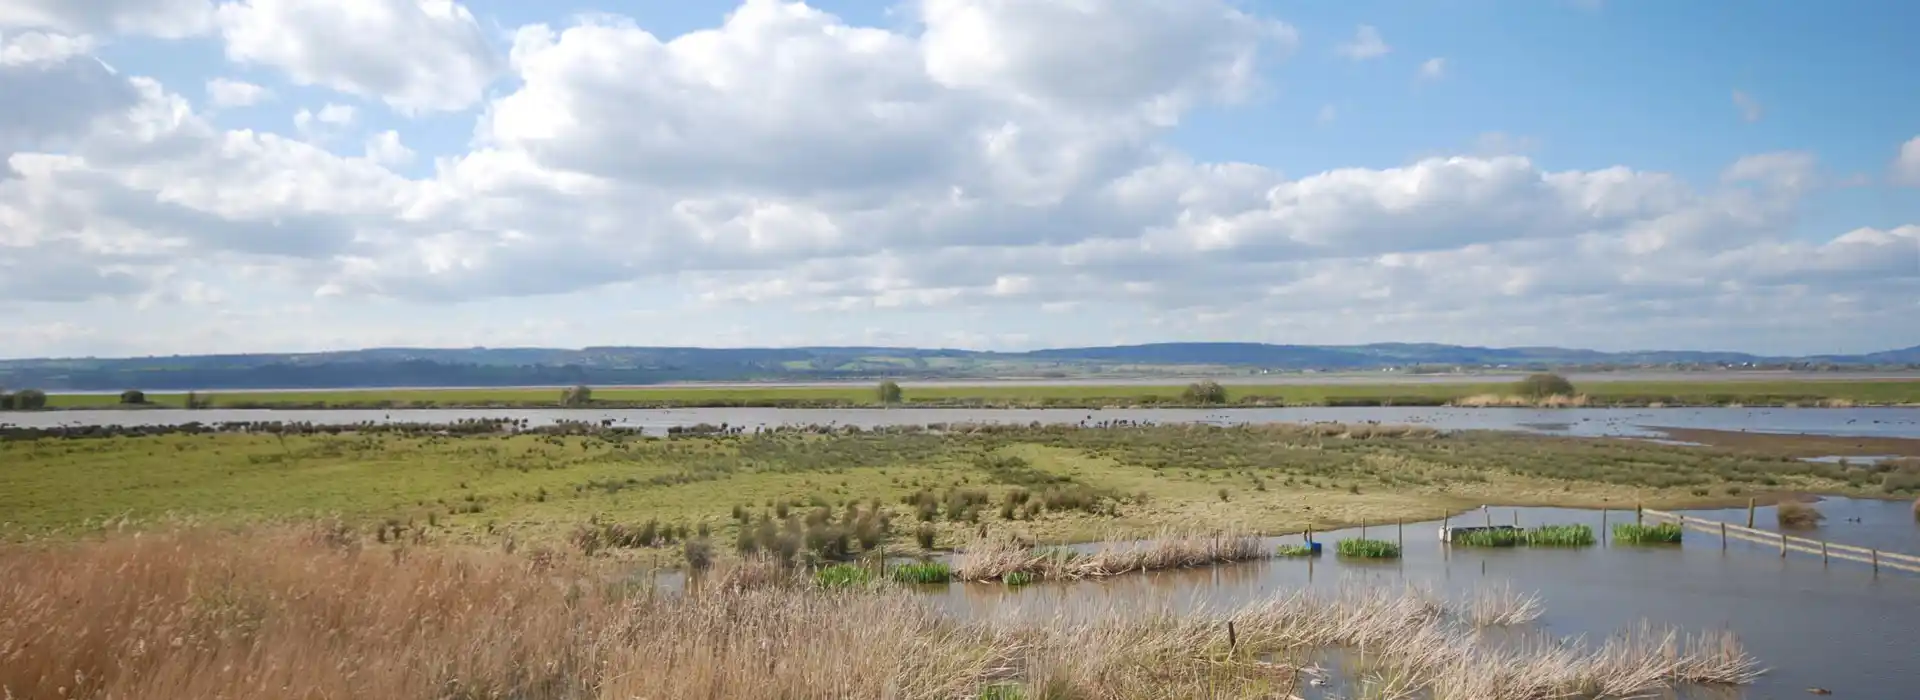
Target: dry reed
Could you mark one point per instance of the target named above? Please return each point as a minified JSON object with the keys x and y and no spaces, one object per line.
{"x":992,"y":558}
{"x":216,"y":614}
{"x":1794,"y":515}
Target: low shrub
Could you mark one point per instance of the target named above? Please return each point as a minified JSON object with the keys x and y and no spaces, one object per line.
{"x":1794,"y":515}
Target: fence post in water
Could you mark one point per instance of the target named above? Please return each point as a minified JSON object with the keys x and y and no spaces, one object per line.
{"x":1783,"y":545}
{"x":1363,"y":529}
{"x":1723,"y":537}
{"x":1639,"y":514}
{"x":1516,"y":517}
{"x":1603,"y":527}
{"x":1823,"y":552}
{"x":1749,"y":512}
{"x":1876,"y":560}
{"x":1400,"y":533}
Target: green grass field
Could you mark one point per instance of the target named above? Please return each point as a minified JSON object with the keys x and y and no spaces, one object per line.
{"x":1629,"y":393}
{"x":1053,"y":484}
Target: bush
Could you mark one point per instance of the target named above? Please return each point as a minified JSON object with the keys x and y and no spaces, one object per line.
{"x":1540,"y":386}
{"x":1794,"y":515}
{"x":925,"y":535}
{"x":889,"y":392}
{"x":698,"y":553}
{"x":579,"y":395}
{"x":29,"y":399}
{"x":1207,"y":392}
{"x":133,"y":397}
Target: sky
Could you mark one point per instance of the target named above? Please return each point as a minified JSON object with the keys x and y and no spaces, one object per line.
{"x":193,"y":176}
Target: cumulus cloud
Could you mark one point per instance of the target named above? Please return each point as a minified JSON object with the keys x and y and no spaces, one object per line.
{"x":226,"y":92}
{"x":1366,"y":43}
{"x":1906,"y":164}
{"x":416,"y":55}
{"x":163,"y":18}
{"x":756,"y":181}
{"x":1433,"y":68}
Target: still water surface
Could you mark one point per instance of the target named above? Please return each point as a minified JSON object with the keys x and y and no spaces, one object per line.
{"x":1865,"y":422}
{"x":1839,"y":626}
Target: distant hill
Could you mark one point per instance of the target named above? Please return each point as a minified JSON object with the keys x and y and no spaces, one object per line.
{"x":445,"y":367}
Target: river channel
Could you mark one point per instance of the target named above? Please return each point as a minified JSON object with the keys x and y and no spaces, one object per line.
{"x":1588,"y":422}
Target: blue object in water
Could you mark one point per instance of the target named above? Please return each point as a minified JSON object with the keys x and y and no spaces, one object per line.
{"x":1313,"y":547}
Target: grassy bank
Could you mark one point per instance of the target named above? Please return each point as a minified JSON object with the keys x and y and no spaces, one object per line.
{"x":1800,"y":392}
{"x":836,"y":495}
{"x":291,"y":612}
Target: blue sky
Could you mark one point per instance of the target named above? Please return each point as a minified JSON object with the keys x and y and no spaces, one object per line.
{"x":976,"y":173}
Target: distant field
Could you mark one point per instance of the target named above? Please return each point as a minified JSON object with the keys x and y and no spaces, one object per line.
{"x":1706,"y":392}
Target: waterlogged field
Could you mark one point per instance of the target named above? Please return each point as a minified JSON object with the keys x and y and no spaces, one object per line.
{"x":453,"y":561}
{"x":1056,"y":483}
{"x":1706,"y":392}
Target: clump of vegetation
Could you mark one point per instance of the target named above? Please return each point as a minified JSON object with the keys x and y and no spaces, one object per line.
{"x":1019,"y":578}
{"x":1497,"y":537}
{"x":1294,"y":550}
{"x":1543,"y":385}
{"x":842,"y":576}
{"x":576,"y":396}
{"x":1663,"y":533}
{"x":889,"y":392}
{"x":1794,"y":515}
{"x":23,"y":400}
{"x":1560,"y":536}
{"x":1207,"y":392}
{"x":925,"y":535}
{"x":698,"y":553}
{"x":1369,"y":549}
{"x":133,"y":397}
{"x":925,"y":572}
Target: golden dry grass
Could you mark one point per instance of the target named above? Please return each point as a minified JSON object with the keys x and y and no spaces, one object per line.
{"x":993,"y":558}
{"x":1795,"y":515}
{"x":311,"y":614}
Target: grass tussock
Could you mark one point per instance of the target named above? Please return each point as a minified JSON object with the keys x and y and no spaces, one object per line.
{"x":1663,"y":533}
{"x":1794,"y":515}
{"x":1368,"y":549}
{"x":204,"y":613}
{"x":994,"y":558}
{"x":1542,"y":536}
{"x":1293,"y":550}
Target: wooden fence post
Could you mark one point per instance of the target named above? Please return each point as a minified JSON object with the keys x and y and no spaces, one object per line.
{"x":1783,"y":545}
{"x":1639,"y":514}
{"x":1363,"y":529}
{"x":1603,"y":527}
{"x":1876,"y":560}
{"x":1823,"y":552}
{"x":1400,"y":532}
{"x":1723,"y":537}
{"x":1232,"y":639}
{"x":1749,"y":512}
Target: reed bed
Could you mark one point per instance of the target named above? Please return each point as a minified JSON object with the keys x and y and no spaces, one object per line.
{"x":1489,"y":538}
{"x":925,"y":572}
{"x":1663,"y":533}
{"x":993,"y":558}
{"x":211,"y":614}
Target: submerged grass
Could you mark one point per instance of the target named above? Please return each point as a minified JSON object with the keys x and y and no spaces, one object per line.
{"x":208,"y":613}
{"x":1663,"y":533}
{"x":1293,"y":550}
{"x":1369,"y":549}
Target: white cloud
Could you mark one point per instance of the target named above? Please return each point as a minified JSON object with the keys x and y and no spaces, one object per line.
{"x":1750,"y":108}
{"x":1906,"y":165}
{"x":786,"y":177}
{"x":163,"y":18}
{"x":385,"y":148}
{"x":224,"y":92}
{"x":1366,"y":44}
{"x":416,"y":55}
{"x":1433,"y":68}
